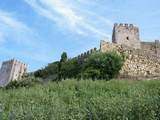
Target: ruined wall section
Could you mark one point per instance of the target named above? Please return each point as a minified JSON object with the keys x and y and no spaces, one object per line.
{"x":107,"y":46}
{"x":139,"y":63}
{"x":126,"y":34}
{"x":152,"y":47}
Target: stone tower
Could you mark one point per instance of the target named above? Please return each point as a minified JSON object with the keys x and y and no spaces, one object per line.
{"x":11,"y":70}
{"x":126,"y":34}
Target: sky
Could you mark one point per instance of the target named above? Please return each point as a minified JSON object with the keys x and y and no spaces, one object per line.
{"x":36,"y":32}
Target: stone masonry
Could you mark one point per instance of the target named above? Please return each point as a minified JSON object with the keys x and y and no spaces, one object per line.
{"x":11,"y":70}
{"x":84,"y":55}
{"x":142,"y":58}
{"x":138,"y":64}
{"x":126,"y":34}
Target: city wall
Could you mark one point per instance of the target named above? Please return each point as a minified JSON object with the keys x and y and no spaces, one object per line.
{"x":139,"y":63}
{"x":84,"y":55}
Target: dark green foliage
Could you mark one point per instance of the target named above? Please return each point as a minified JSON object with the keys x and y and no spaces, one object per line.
{"x":83,"y":100}
{"x":70,"y":69}
{"x":64,"y":57}
{"x":63,"y":60}
{"x":103,"y":65}
{"x":60,"y":70}
{"x":50,"y":71}
{"x":26,"y":82}
{"x":97,"y":66}
{"x":39,"y":73}
{"x":91,"y":72}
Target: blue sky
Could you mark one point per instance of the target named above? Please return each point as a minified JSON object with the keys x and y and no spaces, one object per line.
{"x":38,"y":31}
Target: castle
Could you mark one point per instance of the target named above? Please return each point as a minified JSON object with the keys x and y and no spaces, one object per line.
{"x":11,"y":70}
{"x":128,"y":35}
{"x":143,"y":57}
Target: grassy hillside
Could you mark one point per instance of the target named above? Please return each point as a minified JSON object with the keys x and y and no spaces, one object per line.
{"x":83,"y":100}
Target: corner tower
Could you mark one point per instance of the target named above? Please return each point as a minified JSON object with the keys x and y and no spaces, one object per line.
{"x":11,"y":70}
{"x":126,"y":34}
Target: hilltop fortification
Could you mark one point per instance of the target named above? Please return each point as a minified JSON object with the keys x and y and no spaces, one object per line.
{"x":143,"y":58}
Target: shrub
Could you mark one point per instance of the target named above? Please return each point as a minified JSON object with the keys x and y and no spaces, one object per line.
{"x":26,"y":82}
{"x":70,"y":69}
{"x":50,"y":70}
{"x":103,"y":65}
{"x":91,"y":73}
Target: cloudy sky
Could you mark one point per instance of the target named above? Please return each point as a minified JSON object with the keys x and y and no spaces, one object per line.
{"x":38,"y":31}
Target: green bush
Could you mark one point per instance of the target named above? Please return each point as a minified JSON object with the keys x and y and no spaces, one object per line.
{"x":103,"y":65}
{"x":91,"y":73}
{"x":50,"y":70}
{"x":26,"y":82}
{"x":70,"y":69}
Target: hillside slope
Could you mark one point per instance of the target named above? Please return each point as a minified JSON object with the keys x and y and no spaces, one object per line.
{"x":83,"y":100}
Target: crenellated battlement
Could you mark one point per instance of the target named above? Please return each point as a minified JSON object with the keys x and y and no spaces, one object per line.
{"x":127,"y":34}
{"x":84,"y":55}
{"x":128,"y":26}
{"x":14,"y":62}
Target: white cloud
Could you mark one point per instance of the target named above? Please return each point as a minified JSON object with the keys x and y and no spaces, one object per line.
{"x":10,"y":26}
{"x":67,"y":14}
{"x":22,"y":38}
{"x":7,"y":19}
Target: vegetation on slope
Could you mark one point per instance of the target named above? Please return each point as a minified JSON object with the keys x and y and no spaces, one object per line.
{"x":96,"y":66}
{"x":83,"y":100}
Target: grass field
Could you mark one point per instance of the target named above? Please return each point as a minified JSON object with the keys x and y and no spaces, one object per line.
{"x":83,"y":100}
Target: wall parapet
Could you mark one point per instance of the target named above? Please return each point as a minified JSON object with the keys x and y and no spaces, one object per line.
{"x":84,"y":55}
{"x":126,"y":25}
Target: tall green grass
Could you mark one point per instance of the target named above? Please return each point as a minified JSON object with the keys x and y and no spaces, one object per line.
{"x":83,"y":100}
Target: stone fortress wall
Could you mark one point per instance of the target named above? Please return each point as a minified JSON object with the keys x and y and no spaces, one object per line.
{"x":139,"y":63}
{"x":11,"y":70}
{"x":143,"y":58}
{"x":152,"y":47}
{"x":84,"y":55}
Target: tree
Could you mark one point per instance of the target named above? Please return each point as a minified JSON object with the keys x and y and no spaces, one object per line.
{"x":64,"y":57}
{"x":70,"y":68}
{"x":92,"y":73}
{"x":50,"y":70}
